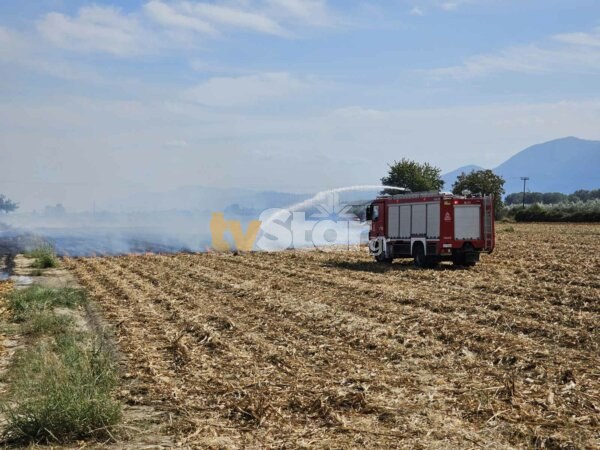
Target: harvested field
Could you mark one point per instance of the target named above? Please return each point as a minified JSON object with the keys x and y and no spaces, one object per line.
{"x":329,"y":349}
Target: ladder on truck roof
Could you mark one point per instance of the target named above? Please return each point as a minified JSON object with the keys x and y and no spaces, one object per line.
{"x":488,"y":226}
{"x":413,"y":195}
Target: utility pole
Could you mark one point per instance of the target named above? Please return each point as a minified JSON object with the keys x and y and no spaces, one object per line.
{"x":525,"y":180}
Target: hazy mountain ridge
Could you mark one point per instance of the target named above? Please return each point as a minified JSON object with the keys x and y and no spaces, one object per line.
{"x":450,"y":177}
{"x":561,"y":165}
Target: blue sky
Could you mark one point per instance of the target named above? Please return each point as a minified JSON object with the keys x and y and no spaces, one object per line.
{"x":101,"y":99}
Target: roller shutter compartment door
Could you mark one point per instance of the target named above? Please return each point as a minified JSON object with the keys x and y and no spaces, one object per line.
{"x":467,"y":222}
{"x":393,"y":221}
{"x":433,"y":220}
{"x":405,"y":219}
{"x":419,"y":220}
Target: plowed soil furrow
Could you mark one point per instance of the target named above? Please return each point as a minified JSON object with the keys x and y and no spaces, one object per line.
{"x":329,"y":349}
{"x":554,"y":282}
{"x":312,"y":382}
{"x":351,"y":356}
{"x":353,"y":265}
{"x":376,"y":296}
{"x":549,"y":367}
{"x":234,"y":281}
{"x":316,"y":382}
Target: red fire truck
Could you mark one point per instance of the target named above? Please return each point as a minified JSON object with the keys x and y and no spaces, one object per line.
{"x":431,"y":227}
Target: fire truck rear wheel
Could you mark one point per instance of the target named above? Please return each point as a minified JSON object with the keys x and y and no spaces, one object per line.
{"x":462,"y":258}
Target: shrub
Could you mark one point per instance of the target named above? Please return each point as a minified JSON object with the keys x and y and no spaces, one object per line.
{"x":60,"y":389}
{"x":45,"y":257}
{"x":61,"y":392}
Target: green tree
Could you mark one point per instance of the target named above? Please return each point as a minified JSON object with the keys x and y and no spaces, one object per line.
{"x":414,"y":176}
{"x":482,"y":182}
{"x":7,"y":205}
{"x":552,"y":198}
{"x":514,"y":199}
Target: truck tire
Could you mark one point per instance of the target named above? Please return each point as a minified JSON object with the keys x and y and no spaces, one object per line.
{"x":419,"y":255}
{"x":461,"y":261}
{"x":421,"y":259}
{"x":383,"y":259}
{"x":461,"y":258}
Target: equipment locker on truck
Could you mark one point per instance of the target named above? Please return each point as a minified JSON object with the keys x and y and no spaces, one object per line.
{"x":431,"y":227}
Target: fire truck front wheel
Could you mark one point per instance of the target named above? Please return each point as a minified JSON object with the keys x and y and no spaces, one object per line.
{"x":383,"y":259}
{"x":422,"y":260}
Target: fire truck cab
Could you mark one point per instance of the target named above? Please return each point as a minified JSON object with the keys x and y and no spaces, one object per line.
{"x":431,"y":227}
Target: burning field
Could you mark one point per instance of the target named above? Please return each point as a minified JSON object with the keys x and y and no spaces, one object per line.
{"x":329,"y":349}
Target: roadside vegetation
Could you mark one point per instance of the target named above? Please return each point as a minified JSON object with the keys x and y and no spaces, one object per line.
{"x":562,"y":212}
{"x":552,"y":198}
{"x":580,"y":206}
{"x":60,"y":385}
{"x":45,"y":257}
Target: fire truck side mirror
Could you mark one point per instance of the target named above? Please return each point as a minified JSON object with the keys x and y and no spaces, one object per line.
{"x":369,"y":212}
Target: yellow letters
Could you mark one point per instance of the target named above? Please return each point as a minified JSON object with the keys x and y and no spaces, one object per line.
{"x":218,"y":227}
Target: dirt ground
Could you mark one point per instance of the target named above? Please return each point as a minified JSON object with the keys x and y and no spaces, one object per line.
{"x":332,"y":350}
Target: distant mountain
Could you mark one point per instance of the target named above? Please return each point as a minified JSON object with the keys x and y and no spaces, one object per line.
{"x":450,"y":177}
{"x":562,"y":165}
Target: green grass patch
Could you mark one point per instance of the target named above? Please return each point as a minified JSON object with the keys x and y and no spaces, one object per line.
{"x":45,"y":257}
{"x":46,"y":323}
{"x":61,"y":386}
{"x":25,"y":302}
{"x":61,"y":392}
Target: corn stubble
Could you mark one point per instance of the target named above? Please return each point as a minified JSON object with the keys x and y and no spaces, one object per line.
{"x":328,"y":349}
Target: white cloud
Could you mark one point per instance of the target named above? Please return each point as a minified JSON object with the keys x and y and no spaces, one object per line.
{"x":22,"y":51}
{"x":206,"y":17}
{"x":585,"y":39}
{"x":444,"y":5}
{"x":245,"y":90}
{"x":95,"y":28}
{"x":416,"y":11}
{"x":168,"y":16}
{"x":161,"y":24}
{"x":453,"y":5}
{"x":449,"y":6}
{"x":311,"y":12}
{"x":575,"y":53}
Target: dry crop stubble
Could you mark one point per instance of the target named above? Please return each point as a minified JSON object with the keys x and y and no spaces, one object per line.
{"x":330,"y":349}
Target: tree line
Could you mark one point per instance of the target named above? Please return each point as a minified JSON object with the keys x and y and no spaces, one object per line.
{"x":580,"y":206}
{"x":552,"y":198}
{"x":562,"y":212}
